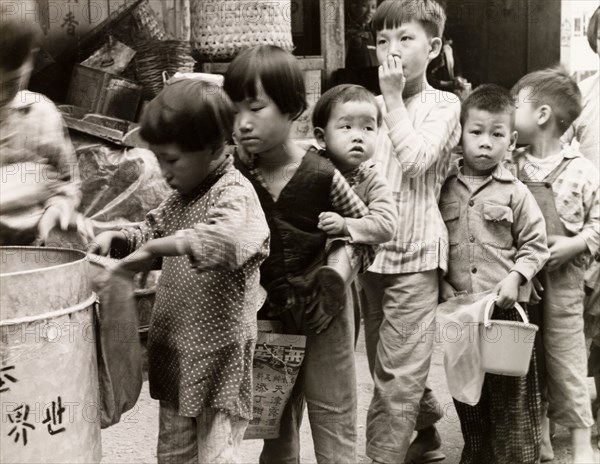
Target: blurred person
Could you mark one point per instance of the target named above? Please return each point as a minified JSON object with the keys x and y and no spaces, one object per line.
{"x":40,"y":179}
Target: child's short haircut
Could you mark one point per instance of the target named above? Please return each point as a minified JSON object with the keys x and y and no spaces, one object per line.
{"x":592,"y":33}
{"x":276,"y":70}
{"x":16,"y":44}
{"x":553,"y":87}
{"x":393,"y":13}
{"x":193,"y":114}
{"x":341,"y":94}
{"x":491,"y":98}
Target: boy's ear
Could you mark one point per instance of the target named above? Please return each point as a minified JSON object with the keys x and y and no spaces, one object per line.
{"x":513,"y":141}
{"x":436,"y":47}
{"x":544,"y":113}
{"x":320,"y":136}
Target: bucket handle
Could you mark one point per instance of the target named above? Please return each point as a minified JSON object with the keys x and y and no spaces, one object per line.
{"x":490,"y":307}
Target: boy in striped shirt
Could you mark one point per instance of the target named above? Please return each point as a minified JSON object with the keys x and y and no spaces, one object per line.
{"x":421,"y":126}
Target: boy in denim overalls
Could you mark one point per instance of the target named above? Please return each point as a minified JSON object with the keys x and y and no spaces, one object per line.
{"x":565,"y":186}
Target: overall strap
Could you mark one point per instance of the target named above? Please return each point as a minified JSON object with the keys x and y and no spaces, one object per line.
{"x":558,"y":170}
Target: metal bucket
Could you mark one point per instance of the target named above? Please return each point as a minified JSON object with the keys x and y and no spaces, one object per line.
{"x":48,"y":371}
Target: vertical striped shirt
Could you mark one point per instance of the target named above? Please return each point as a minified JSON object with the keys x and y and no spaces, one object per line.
{"x":413,"y":152}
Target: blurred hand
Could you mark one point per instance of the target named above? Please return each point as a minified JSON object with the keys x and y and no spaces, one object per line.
{"x":58,"y":214}
{"x":102,"y":243}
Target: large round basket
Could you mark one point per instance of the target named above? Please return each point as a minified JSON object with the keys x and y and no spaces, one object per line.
{"x":154,"y":57}
{"x":219,"y":30}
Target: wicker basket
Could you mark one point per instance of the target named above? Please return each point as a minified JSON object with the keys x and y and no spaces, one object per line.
{"x":219,"y":30}
{"x":154,"y":57}
{"x":506,"y":346}
{"x":147,"y":23}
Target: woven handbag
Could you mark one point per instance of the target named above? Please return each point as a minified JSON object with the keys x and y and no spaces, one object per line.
{"x":220,"y":30}
{"x":154,"y":57}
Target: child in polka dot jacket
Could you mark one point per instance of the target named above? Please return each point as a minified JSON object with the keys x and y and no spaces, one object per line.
{"x":212,"y":236}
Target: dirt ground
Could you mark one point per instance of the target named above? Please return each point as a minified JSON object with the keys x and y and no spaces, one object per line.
{"x":133,"y":440}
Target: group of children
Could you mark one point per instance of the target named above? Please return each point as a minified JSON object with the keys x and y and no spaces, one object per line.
{"x":266,"y":226}
{"x":312,"y":219}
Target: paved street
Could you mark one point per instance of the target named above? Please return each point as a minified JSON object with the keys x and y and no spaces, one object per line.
{"x":133,"y":440}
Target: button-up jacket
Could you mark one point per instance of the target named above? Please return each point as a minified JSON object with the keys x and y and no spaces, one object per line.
{"x":494,"y":227}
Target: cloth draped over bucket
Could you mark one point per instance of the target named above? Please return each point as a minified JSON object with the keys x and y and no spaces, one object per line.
{"x":459,"y":321}
{"x":118,"y":346}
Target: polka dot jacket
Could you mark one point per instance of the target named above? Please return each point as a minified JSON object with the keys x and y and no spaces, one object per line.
{"x":203,"y":325}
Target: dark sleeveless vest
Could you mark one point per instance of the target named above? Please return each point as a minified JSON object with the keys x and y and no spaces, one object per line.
{"x":297,"y":245}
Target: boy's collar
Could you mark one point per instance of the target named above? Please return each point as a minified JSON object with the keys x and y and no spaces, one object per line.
{"x":211,"y":178}
{"x":567,"y":152}
{"x":500,"y":173}
{"x":423,"y":87}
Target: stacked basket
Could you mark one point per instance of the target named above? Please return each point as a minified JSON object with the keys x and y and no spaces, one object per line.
{"x":155,"y":57}
{"x":219,"y":30}
{"x":147,"y":24}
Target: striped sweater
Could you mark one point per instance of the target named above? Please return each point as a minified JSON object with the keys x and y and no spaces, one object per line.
{"x":413,"y":153}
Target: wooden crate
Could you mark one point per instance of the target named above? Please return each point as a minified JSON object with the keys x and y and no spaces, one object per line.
{"x":99,"y":92}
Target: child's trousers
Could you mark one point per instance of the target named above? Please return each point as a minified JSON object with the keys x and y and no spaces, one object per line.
{"x":213,"y":437}
{"x":564,"y":345}
{"x":327,"y":383}
{"x":504,"y":427}
{"x":399,"y":332}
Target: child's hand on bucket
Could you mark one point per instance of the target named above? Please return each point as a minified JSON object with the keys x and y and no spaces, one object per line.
{"x":508,"y":290}
{"x":103,"y":242}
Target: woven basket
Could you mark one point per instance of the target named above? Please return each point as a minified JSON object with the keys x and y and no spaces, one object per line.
{"x":219,"y":30}
{"x":155,"y":57}
{"x":147,"y":23}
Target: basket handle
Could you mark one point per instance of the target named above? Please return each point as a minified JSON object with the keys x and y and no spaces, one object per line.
{"x":489,"y":309}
